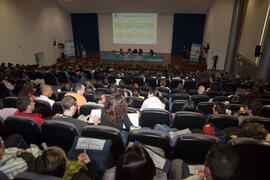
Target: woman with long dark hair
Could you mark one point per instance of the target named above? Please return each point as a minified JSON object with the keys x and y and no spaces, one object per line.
{"x":135,"y":164}
{"x":114,"y":113}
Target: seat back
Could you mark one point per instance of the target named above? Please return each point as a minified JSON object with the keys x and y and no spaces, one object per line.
{"x":34,"y":176}
{"x":138,"y":80}
{"x":28,"y":127}
{"x":152,"y":138}
{"x":87,"y":108}
{"x":205,"y":107}
{"x":151,"y":117}
{"x":4,"y":90}
{"x":132,"y":110}
{"x":151,"y":81}
{"x":192,"y":92}
{"x":61,"y":94}
{"x":104,"y":90}
{"x":200,"y":98}
{"x":265,"y":111}
{"x":57,"y":108}
{"x":177,"y":105}
{"x":212,"y":94}
{"x":179,"y":96}
{"x":254,"y":157}
{"x":186,"y":119}
{"x":192,"y":148}
{"x":260,"y":120}
{"x":223,"y":121}
{"x":60,"y":133}
{"x":3,"y":129}
{"x":137,"y":102}
{"x":190,"y":84}
{"x":234,"y":107}
{"x":10,"y":102}
{"x":265,"y":101}
{"x":220,"y":98}
{"x":175,"y":82}
{"x":43,"y":107}
{"x":89,"y":97}
{"x":106,"y":132}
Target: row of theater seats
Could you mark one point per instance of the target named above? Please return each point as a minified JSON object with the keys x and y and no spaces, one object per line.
{"x":44,"y":108}
{"x":151,"y":117}
{"x":192,"y":148}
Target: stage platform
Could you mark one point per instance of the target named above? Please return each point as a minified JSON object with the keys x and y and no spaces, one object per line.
{"x":169,"y":60}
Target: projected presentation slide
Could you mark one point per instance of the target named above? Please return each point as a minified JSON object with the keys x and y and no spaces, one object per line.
{"x":134,"y":28}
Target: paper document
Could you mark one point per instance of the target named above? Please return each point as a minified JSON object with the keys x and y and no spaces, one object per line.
{"x":90,"y":143}
{"x":95,"y":112}
{"x":158,"y":160}
{"x":134,"y":119}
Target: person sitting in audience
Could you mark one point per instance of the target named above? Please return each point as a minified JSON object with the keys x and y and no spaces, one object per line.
{"x":253,"y":130}
{"x":99,"y":97}
{"x":29,"y":89}
{"x":13,"y":161}
{"x":253,"y":108}
{"x":136,"y":93}
{"x":69,"y":106}
{"x":201,"y":90}
{"x":238,"y":97}
{"x":219,"y":108}
{"x":222,"y":162}
{"x":26,"y":106}
{"x":181,"y":88}
{"x":89,"y":87}
{"x":163,"y":85}
{"x":46,"y":93}
{"x":154,"y":100}
{"x":54,"y":162}
{"x":256,"y":92}
{"x":124,"y":92}
{"x":114,"y":114}
{"x":4,"y":80}
{"x":79,"y":90}
{"x":135,"y":164}
{"x":189,"y":106}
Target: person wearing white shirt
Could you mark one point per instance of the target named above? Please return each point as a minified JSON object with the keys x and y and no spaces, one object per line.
{"x":46,"y":92}
{"x":154,"y":100}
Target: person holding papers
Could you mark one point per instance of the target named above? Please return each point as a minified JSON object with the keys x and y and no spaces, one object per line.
{"x":114,"y":114}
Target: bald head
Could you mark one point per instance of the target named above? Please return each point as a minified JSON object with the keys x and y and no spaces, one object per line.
{"x":46,"y":90}
{"x":201,"y":90}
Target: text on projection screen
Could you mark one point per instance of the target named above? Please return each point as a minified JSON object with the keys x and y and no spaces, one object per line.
{"x":134,"y":28}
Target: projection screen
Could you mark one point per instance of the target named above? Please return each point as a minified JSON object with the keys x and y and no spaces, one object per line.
{"x":134,"y":28}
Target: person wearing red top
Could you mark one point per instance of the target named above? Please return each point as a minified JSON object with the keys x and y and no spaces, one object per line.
{"x":26,"y":106}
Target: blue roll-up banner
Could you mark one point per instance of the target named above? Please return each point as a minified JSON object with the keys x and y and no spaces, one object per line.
{"x":69,"y":48}
{"x":195,"y":52}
